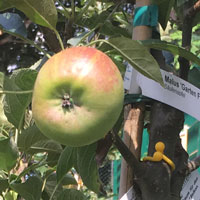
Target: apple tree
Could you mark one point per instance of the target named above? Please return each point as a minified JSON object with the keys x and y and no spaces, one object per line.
{"x":34,"y":166}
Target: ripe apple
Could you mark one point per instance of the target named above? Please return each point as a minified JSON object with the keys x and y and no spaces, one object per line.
{"x":78,"y":96}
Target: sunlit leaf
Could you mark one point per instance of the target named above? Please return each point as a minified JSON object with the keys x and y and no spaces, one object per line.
{"x":11,"y":195}
{"x":41,"y":12}
{"x":174,"y":49}
{"x":15,"y":104}
{"x":136,"y":54}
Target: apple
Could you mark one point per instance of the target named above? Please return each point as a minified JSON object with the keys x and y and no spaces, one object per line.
{"x":78,"y":96}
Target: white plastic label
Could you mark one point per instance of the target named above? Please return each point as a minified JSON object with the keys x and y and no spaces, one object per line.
{"x":130,"y":80}
{"x":191,"y":187}
{"x":130,"y":195}
{"x":176,"y":93}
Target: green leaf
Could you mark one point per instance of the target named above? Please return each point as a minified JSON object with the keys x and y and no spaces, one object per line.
{"x":25,"y":78}
{"x":164,"y":7}
{"x":136,"y":54}
{"x":175,"y":50}
{"x":5,"y":125}
{"x":84,"y":9}
{"x":52,"y":187}
{"x":52,"y":158}
{"x":38,"y":65}
{"x":29,"y":137}
{"x":31,"y":140}
{"x":41,"y":12}
{"x":11,"y":195}
{"x":106,"y":27}
{"x":181,"y":2}
{"x":4,"y":4}
{"x":48,"y":146}
{"x":29,"y":190}
{"x":68,"y":180}
{"x":76,"y":40}
{"x":14,"y":23}
{"x":109,"y":30}
{"x":119,"y":63}
{"x":71,"y":194}
{"x":3,"y":185}
{"x":65,"y":162}
{"x":8,"y":154}
{"x":193,"y":76}
{"x":87,"y":167}
{"x":15,"y":104}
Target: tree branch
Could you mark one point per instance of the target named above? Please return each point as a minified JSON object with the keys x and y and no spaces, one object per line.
{"x":186,"y":41}
{"x":103,"y":147}
{"x":192,"y":11}
{"x":5,"y":40}
{"x":128,"y":156}
{"x":51,"y":39}
{"x":193,"y":164}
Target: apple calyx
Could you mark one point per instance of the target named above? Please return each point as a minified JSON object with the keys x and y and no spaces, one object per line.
{"x":67,"y":102}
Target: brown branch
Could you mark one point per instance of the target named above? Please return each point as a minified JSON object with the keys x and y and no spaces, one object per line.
{"x":103,"y":147}
{"x":127,"y":155}
{"x":5,"y":40}
{"x":186,"y":41}
{"x":192,"y":11}
{"x":193,"y":164}
{"x":123,"y":149}
{"x":51,"y":39}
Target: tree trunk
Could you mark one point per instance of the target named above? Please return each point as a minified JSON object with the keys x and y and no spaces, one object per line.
{"x":158,"y":180}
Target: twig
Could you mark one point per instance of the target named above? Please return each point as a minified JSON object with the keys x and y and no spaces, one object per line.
{"x":186,"y":41}
{"x":192,"y":11}
{"x":193,"y":164}
{"x":127,"y":155}
{"x":51,"y":39}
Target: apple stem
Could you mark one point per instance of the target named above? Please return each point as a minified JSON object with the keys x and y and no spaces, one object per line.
{"x":67,"y":102}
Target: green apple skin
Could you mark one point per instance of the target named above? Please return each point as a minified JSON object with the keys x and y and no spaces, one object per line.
{"x":95,"y":87}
